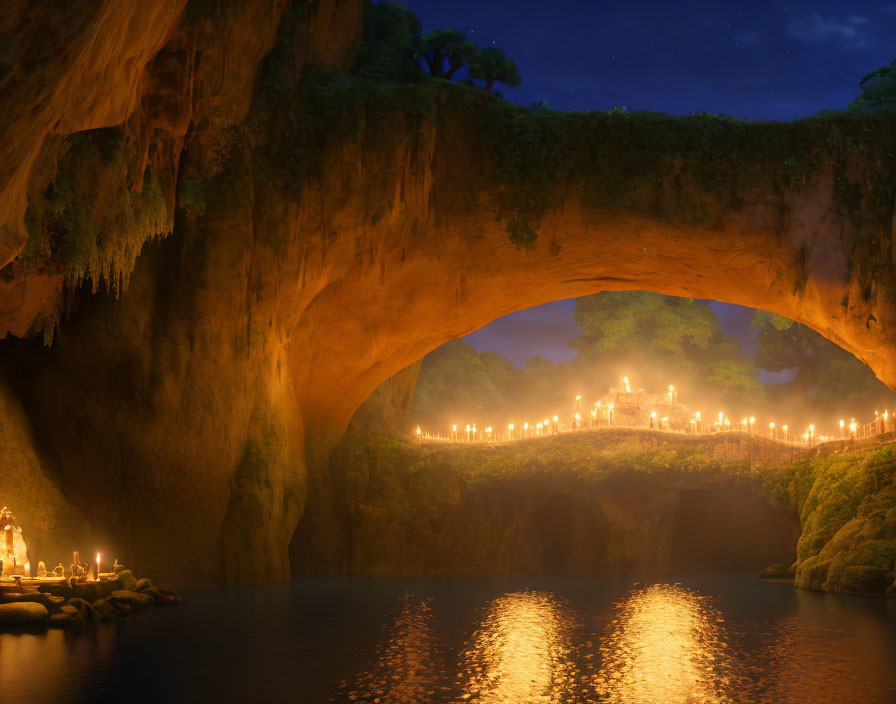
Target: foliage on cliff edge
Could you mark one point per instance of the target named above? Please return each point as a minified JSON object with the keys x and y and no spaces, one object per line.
{"x":847,"y":504}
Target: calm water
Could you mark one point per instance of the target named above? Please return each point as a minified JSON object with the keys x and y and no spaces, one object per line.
{"x":707,"y":639}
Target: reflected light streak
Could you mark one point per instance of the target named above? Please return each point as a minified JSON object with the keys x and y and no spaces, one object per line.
{"x":406,"y":667}
{"x":665,"y":645}
{"x":521,"y":652}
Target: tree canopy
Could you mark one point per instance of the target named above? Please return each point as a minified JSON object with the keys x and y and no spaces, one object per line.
{"x":667,"y":340}
{"x":824,"y":373}
{"x":491,"y":66}
{"x":455,"y":385}
{"x":445,"y":52}
{"x":393,"y":48}
{"x":878,"y":89}
{"x":387,"y":45}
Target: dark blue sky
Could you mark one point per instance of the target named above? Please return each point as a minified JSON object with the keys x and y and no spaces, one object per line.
{"x":761,"y":60}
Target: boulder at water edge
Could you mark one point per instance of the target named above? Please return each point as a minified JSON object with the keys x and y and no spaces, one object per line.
{"x":23,"y":613}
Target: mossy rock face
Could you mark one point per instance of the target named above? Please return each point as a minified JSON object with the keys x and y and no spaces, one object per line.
{"x":142,"y":585}
{"x":23,"y":614}
{"x":847,"y":503}
{"x":105,"y":609}
{"x":693,"y":171}
{"x":127,"y":580}
{"x":863,"y":579}
{"x":83,"y":607}
{"x":95,"y":209}
{"x":135,"y":600}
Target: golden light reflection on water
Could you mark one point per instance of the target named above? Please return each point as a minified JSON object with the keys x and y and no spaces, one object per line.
{"x":665,"y":644}
{"x":405,"y":669}
{"x":521,"y":652}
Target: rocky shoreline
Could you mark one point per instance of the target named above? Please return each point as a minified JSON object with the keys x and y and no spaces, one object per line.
{"x":61,"y":605}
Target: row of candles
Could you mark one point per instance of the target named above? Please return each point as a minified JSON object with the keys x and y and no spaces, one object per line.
{"x":605,"y":415}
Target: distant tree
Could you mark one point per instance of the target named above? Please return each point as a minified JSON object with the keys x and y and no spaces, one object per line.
{"x":650,"y":321}
{"x":664,"y":339}
{"x":878,"y":90}
{"x":491,"y":66}
{"x":388,"y":41}
{"x":454,"y":386}
{"x":824,"y":372}
{"x":445,"y":52}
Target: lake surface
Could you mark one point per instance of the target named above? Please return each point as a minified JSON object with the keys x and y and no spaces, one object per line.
{"x":707,"y":639}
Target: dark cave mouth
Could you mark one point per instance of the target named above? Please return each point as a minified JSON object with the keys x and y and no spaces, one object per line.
{"x":709,"y":530}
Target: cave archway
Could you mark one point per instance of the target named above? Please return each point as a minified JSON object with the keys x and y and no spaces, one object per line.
{"x":193,"y":416}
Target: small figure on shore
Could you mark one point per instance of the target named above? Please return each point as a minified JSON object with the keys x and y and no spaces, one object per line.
{"x":59,"y":570}
{"x":41,"y":570}
{"x":117,"y":567}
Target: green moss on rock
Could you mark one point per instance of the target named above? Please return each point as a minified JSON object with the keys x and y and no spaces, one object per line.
{"x":23,"y":614}
{"x":847,"y":503}
{"x":695,"y":170}
{"x":98,"y":210}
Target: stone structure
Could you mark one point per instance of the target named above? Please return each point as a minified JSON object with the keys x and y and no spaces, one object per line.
{"x":13,"y":551}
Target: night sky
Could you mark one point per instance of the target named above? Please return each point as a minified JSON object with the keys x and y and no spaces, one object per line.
{"x":754,"y":60}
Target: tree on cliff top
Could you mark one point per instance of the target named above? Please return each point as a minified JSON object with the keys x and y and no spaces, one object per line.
{"x":878,"y":90}
{"x":491,"y":66}
{"x":388,"y":42}
{"x":445,"y":52}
